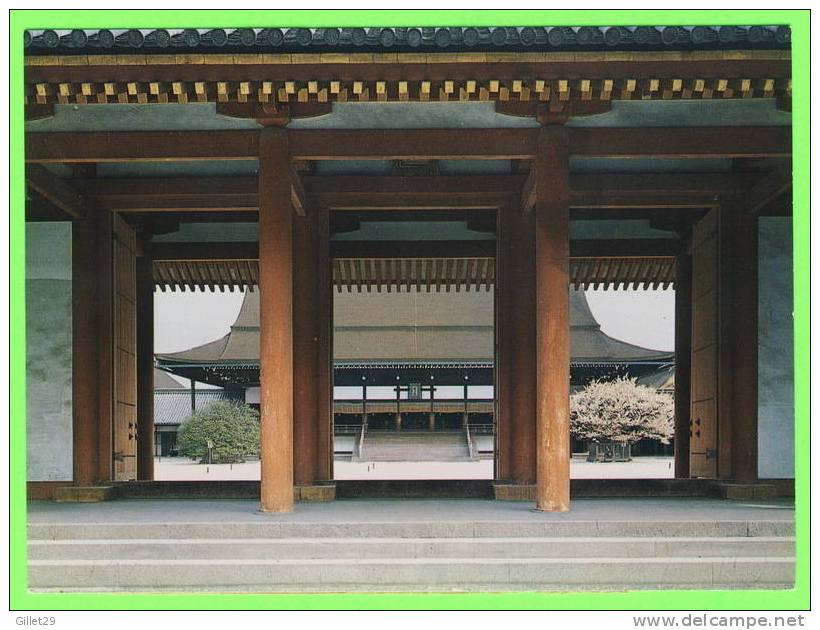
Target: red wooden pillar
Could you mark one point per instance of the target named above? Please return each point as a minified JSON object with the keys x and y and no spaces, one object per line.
{"x":552,"y":318}
{"x":145,"y":366}
{"x":503,"y":346}
{"x":683,"y":362}
{"x":85,"y":377}
{"x":743,"y":343}
{"x":276,"y":321}
{"x":105,"y":344}
{"x":522,"y":338}
{"x":324,"y":352}
{"x":305,"y":349}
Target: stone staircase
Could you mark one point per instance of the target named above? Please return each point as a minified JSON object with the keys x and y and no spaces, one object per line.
{"x":435,"y":555}
{"x":414,"y":446}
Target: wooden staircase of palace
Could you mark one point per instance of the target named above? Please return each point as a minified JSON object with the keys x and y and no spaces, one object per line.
{"x":434,"y":555}
{"x":414,"y":446}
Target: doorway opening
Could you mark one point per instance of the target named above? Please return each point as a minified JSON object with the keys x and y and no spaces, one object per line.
{"x":414,"y":345}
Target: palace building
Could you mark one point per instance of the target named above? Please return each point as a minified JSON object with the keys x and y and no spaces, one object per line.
{"x":349,"y":180}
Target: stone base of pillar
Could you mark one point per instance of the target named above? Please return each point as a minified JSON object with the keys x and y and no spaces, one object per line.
{"x":514,"y":491}
{"x":82,"y":494}
{"x":315,"y":494}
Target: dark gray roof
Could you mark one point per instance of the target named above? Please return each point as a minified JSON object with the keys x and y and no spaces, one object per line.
{"x":407,"y":327}
{"x":173,"y":406}
{"x":429,"y":39}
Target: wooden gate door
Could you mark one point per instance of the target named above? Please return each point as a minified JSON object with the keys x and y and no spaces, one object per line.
{"x":125,"y":351}
{"x":703,"y":420}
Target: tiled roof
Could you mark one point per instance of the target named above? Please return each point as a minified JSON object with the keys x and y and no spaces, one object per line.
{"x":90,"y":41}
{"x":173,"y":406}
{"x":406,"y":328}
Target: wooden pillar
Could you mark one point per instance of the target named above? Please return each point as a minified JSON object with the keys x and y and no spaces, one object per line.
{"x":552,"y":441}
{"x":324,"y":353}
{"x":105,"y":344}
{"x":725,"y":322}
{"x":522,"y":338}
{"x":276,"y":321}
{"x":502,"y":418}
{"x":743,"y":343}
{"x":683,"y":362}
{"x":305,"y":348}
{"x":145,"y":366}
{"x":84,"y":293}
{"x":193,"y":394}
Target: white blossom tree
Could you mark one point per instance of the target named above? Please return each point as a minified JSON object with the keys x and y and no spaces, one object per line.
{"x":621,"y":411}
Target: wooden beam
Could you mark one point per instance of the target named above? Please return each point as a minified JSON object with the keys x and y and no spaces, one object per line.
{"x":355,"y":185}
{"x":205,"y":251}
{"x":408,"y":144}
{"x":680,"y":142}
{"x":769,"y":188}
{"x":420,"y":67}
{"x":624,"y":248}
{"x":645,"y":190}
{"x":579,"y":248}
{"x":145,"y":187}
{"x":55,"y":190}
{"x":413,"y":249}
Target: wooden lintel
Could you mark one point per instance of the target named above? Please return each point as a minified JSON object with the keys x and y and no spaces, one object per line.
{"x":645,"y":190}
{"x":579,"y":248}
{"x":413,"y":249}
{"x":624,"y":248}
{"x":409,"y":144}
{"x":769,"y":188}
{"x":55,"y":190}
{"x":205,"y":251}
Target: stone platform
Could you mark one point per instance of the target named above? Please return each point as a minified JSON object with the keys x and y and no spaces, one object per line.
{"x":410,"y":545}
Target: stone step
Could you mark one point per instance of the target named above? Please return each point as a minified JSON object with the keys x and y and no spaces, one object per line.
{"x":293,"y":548}
{"x":411,"y":574}
{"x":268,"y":527}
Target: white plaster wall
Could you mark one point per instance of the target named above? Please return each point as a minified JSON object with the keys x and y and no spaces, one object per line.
{"x":48,"y":352}
{"x":775,"y":350}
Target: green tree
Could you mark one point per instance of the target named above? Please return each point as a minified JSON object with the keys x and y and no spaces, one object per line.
{"x":621,"y":411}
{"x":231,"y":426}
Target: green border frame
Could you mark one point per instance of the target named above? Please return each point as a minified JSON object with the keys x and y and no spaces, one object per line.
{"x":21,"y":599}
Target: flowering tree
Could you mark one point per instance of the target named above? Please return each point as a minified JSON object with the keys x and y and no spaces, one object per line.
{"x":621,"y":411}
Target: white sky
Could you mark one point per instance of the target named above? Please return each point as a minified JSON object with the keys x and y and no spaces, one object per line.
{"x":187,"y":319}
